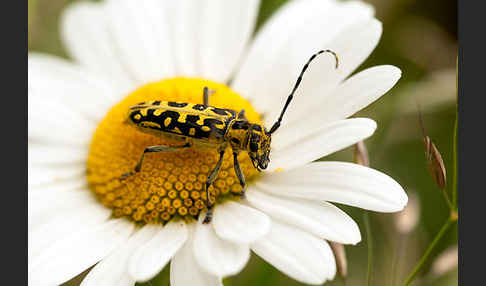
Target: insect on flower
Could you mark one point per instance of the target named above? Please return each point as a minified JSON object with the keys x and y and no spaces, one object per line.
{"x":206,"y":126}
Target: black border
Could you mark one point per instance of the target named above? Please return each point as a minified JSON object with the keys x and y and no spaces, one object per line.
{"x":471,"y":152}
{"x":13,"y":23}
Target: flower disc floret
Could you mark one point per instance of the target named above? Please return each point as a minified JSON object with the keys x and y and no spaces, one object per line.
{"x":170,"y":184}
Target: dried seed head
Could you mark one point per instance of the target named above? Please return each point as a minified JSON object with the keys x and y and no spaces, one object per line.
{"x":435,"y":163}
{"x":407,"y":219}
{"x":434,"y":159}
{"x":340,"y":257}
{"x":361,"y":154}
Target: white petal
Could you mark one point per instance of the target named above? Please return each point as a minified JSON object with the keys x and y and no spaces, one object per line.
{"x":303,"y":148}
{"x":53,"y":123}
{"x":43,"y":175}
{"x":353,"y":46}
{"x":112,"y":270}
{"x":69,"y":184}
{"x":139,"y":30}
{"x":73,"y":254}
{"x":296,"y":253}
{"x":48,"y":203}
{"x":150,"y":258}
{"x":185,"y":271}
{"x":225,"y":29}
{"x":361,"y":90}
{"x":184,"y":19}
{"x":55,"y":226}
{"x":216,"y":256}
{"x":85,"y":93}
{"x":287,"y":137}
{"x":349,"y":97}
{"x":239,"y":223}
{"x":87,"y":36}
{"x":319,"y":218}
{"x":40,"y":154}
{"x":283,"y":46}
{"x":49,"y":194}
{"x":340,"y":182}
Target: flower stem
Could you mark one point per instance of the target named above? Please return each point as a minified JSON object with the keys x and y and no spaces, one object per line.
{"x":369,"y":242}
{"x":448,"y":201}
{"x":429,"y":250}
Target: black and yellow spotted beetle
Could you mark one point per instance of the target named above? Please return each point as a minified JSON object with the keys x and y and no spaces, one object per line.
{"x":202,"y":125}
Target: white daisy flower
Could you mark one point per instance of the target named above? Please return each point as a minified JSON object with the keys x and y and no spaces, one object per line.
{"x":128,"y":51}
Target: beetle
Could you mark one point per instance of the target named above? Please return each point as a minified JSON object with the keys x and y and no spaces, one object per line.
{"x":205,"y":126}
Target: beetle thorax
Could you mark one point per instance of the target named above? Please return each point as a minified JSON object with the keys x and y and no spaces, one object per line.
{"x":238,"y":135}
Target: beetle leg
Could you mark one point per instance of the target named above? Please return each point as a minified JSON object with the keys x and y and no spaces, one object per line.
{"x":212,"y":176}
{"x":241,"y":114}
{"x":239,"y":174}
{"x":153,"y":149}
{"x":205,"y":96}
{"x":206,"y":93}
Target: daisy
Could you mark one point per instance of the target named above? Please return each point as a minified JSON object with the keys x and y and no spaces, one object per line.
{"x":125,"y":52}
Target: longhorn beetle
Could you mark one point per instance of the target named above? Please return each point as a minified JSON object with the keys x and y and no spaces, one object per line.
{"x":203,"y":126}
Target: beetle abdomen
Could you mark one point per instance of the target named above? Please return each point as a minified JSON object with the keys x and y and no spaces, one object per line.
{"x":181,"y":119}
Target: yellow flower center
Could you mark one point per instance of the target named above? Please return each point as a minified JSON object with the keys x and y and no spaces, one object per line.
{"x":169,"y":184}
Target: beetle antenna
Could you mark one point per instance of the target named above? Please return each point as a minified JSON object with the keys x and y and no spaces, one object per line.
{"x":276,"y":125}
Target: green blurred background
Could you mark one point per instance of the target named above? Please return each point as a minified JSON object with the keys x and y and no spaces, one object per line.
{"x":420,"y":37}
